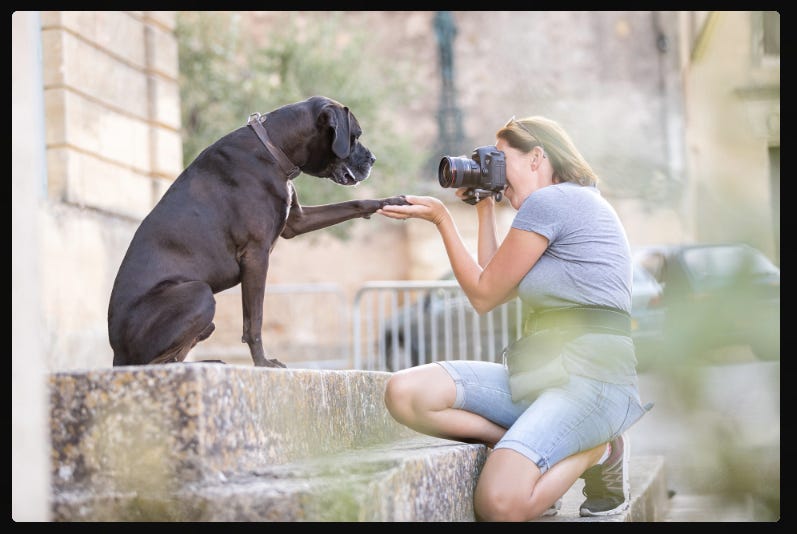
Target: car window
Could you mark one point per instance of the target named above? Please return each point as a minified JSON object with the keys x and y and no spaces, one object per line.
{"x":642,"y":276}
{"x":713,"y":267}
{"x":653,"y":263}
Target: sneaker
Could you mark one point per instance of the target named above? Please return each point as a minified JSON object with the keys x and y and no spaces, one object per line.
{"x":553,"y":510}
{"x":606,"y":485}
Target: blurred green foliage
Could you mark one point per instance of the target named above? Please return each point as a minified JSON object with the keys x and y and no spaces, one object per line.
{"x":225,"y":76}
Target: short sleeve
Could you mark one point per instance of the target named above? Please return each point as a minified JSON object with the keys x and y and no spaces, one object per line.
{"x":541,"y":213}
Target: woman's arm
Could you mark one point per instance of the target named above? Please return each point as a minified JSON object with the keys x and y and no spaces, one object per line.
{"x":488,"y":230}
{"x":485,"y":287}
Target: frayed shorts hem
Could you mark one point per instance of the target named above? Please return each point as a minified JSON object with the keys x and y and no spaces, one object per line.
{"x":522,"y":448}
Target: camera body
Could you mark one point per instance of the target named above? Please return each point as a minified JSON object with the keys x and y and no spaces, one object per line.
{"x":484,"y":173}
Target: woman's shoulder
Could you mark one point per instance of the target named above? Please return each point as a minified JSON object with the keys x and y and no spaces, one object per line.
{"x":564,"y":190}
{"x":552,"y":200}
{"x":567,"y":188}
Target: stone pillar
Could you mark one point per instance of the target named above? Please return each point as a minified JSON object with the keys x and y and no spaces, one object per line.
{"x":30,"y":471}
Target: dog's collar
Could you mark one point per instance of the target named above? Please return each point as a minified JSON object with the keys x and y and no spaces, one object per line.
{"x":256,"y":123}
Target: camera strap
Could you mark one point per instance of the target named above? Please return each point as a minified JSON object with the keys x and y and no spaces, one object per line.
{"x":580,"y":319}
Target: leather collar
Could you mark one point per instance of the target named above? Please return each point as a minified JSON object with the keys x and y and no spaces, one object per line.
{"x":256,"y":123}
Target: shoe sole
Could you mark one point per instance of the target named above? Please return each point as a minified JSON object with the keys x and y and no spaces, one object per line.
{"x":626,"y":485}
{"x":553,"y":510}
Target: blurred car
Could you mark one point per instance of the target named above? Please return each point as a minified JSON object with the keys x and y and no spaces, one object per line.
{"x":647,"y":313}
{"x":451,"y":329}
{"x":713,"y":296}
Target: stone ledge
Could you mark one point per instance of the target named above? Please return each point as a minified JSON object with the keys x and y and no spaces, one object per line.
{"x":417,"y":479}
{"x":128,"y":427}
{"x":215,"y":442}
{"x":649,"y":500}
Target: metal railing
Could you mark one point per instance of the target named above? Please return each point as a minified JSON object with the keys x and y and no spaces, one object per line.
{"x":312,"y":325}
{"x":399,"y":324}
{"x":388,"y":326}
{"x":305,"y":325}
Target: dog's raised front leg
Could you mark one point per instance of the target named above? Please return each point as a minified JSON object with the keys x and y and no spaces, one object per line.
{"x":254,"y":267}
{"x":303,"y":219}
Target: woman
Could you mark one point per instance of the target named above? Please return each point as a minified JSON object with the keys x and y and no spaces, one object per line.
{"x":566,"y":249}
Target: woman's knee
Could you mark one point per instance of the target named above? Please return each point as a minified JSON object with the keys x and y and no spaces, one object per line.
{"x":398,"y":394}
{"x":505,"y":487}
{"x":501,"y":503}
{"x":410,"y":393}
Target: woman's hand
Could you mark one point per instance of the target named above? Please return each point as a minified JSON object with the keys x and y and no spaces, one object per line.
{"x":465,"y":193}
{"x":428,"y":208}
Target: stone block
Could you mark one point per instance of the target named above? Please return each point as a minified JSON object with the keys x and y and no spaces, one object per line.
{"x":95,"y":73}
{"x":118,"y":32}
{"x":159,"y":188}
{"x":74,"y":120}
{"x":86,"y":181}
{"x":162,"y":51}
{"x":134,"y":428}
{"x":52,"y":57}
{"x":85,"y":251}
{"x":648,"y":502}
{"x":166,"y":19}
{"x":164,"y":98}
{"x":412,"y":479}
{"x":167,"y":152}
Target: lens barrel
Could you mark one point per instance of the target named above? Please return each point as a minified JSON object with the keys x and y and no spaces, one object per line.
{"x":458,"y":172}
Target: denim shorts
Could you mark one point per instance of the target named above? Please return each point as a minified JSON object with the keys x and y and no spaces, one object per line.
{"x":560,"y":422}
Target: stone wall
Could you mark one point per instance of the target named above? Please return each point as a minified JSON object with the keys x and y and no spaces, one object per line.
{"x":113,"y":146}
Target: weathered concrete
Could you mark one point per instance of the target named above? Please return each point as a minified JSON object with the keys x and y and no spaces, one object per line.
{"x":416,"y":479}
{"x":214,"y":442}
{"x":117,"y":428}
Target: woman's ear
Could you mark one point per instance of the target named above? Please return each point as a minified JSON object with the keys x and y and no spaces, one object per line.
{"x":536,"y":158}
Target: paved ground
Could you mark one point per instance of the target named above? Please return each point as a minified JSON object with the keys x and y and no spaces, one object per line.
{"x":743,"y":396}
{"x":706,"y":508}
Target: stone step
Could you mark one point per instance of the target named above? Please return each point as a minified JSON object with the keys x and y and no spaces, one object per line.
{"x":649,"y":499}
{"x":215,"y":442}
{"x":415,"y":479}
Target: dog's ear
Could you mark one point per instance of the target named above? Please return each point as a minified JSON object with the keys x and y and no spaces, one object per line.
{"x":338,"y":118}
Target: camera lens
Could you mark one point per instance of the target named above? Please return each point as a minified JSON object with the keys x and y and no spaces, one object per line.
{"x":458,"y":172}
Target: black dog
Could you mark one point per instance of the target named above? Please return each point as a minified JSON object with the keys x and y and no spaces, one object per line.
{"x":217,"y":224}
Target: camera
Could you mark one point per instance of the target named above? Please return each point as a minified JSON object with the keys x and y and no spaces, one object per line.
{"x":484,"y":173}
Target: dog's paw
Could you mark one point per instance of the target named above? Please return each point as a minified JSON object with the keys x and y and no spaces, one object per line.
{"x":273,"y":362}
{"x":372,"y":206}
{"x":399,"y":200}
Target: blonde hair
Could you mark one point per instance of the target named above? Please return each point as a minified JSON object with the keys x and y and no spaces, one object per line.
{"x":567,"y":162}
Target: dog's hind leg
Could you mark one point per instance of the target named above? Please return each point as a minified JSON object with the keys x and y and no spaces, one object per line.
{"x":174,"y":318}
{"x":179,"y":353}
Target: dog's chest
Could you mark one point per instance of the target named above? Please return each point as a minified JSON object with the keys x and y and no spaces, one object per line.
{"x":287,"y":206}
{"x":286,"y":211}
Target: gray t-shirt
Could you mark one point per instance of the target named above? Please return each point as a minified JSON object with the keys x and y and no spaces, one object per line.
{"x":587,"y":262}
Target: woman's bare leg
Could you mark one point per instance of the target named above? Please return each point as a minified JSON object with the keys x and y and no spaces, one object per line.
{"x":422,"y":398}
{"x":510,"y":487}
